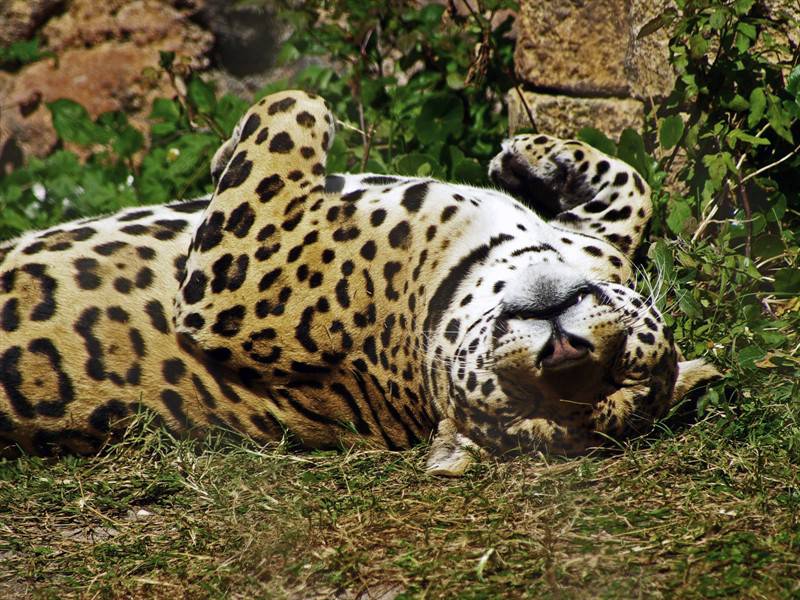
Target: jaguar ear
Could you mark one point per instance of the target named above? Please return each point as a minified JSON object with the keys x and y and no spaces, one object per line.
{"x":692,"y":374}
{"x":221,"y":158}
{"x":451,"y":453}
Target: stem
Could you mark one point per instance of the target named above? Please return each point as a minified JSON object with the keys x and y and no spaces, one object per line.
{"x":527,"y":108}
{"x":770,"y":165}
{"x":745,"y":201}
{"x":367,"y":144}
{"x":714,"y":208}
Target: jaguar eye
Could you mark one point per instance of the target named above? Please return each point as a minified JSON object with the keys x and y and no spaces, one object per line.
{"x":517,"y":315}
{"x":581,"y":295}
{"x":543,"y":311}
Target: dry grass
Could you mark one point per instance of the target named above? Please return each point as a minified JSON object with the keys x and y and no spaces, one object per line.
{"x":693,"y":515}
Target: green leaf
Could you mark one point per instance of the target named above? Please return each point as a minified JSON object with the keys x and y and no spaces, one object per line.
{"x":718,"y":18}
{"x":748,"y":30}
{"x":748,"y":356}
{"x":21,"y":53}
{"x":431,"y":15}
{"x":698,"y":46}
{"x":597,"y":139}
{"x":469,"y":170}
{"x":228,"y":111}
{"x":779,"y":119}
{"x":778,"y":208}
{"x":663,"y":259}
{"x":162,"y":129}
{"x":690,"y":307}
{"x":631,"y":149}
{"x":738,"y":134}
{"x":194,"y":150}
{"x":165,"y":59}
{"x":455,"y":80}
{"x":793,"y":84}
{"x":73,"y":124}
{"x":736,"y":102}
{"x":679,"y":214}
{"x":201,"y":95}
{"x":758,"y":104}
{"x":742,"y":43}
{"x":125,"y":140}
{"x":414,"y":164}
{"x":441,"y":116}
{"x":718,"y":165}
{"x":670,"y":132}
{"x":767,"y":246}
{"x":153,"y":184}
{"x":338,"y":155}
{"x":742,"y":7}
{"x":664,"y":19}
{"x":710,"y":398}
{"x":287,"y":54}
{"x":165,"y":110}
{"x":787,"y":281}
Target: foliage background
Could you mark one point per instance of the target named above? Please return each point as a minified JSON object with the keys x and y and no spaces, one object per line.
{"x":423,"y":92}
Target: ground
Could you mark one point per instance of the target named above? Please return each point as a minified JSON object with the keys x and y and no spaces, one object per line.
{"x":690,"y":512}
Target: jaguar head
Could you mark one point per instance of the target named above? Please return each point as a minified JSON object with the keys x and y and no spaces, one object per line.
{"x":560,"y":365}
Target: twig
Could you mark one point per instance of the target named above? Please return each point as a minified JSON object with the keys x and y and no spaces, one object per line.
{"x":361,"y":120}
{"x":708,"y":219}
{"x":367,"y":144}
{"x":745,"y":200}
{"x":472,"y":11}
{"x":527,"y":108}
{"x":349,"y":126}
{"x":378,"y":48}
{"x":770,"y":166}
{"x":366,"y":134}
{"x":743,"y":196}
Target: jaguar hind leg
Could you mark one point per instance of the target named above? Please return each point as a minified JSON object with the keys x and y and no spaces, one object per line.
{"x":577,"y":187}
{"x":233,"y":299}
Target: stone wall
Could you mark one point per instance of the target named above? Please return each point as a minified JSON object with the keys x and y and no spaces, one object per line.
{"x":582,"y":66}
{"x":105,"y":56}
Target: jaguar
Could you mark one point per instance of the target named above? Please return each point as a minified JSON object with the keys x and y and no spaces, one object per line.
{"x":341,"y":308}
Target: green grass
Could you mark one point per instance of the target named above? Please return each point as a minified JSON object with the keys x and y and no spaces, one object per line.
{"x":706,"y":511}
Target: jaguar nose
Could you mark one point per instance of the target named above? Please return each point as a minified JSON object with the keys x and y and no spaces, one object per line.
{"x":563,"y":350}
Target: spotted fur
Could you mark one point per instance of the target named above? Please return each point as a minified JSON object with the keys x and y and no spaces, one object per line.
{"x":341,"y":307}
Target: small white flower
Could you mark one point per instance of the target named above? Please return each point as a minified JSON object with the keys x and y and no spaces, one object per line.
{"x":39,"y":191}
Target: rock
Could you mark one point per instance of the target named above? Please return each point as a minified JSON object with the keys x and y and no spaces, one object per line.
{"x":247,"y":40}
{"x":573,"y":46}
{"x":589,"y":48}
{"x":786,"y":14}
{"x":564,"y":116}
{"x":647,"y":66}
{"x":141,"y":21}
{"x":19,"y":19}
{"x":27,"y":118}
{"x":103,"y":49}
{"x":248,"y":36}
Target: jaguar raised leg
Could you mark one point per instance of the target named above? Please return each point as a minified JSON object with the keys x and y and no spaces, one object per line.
{"x":576,"y":187}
